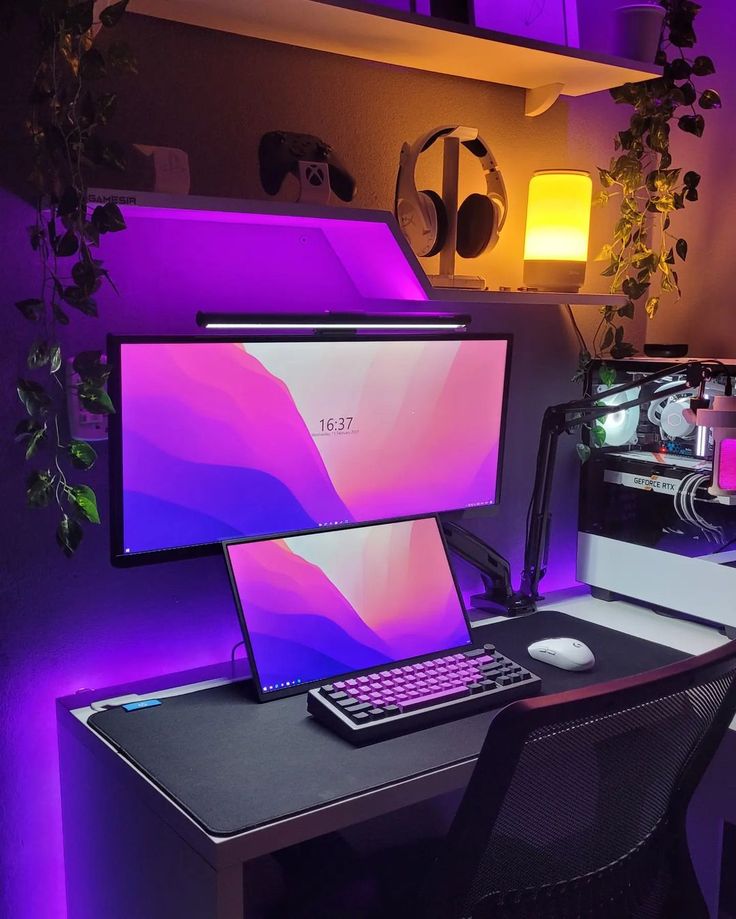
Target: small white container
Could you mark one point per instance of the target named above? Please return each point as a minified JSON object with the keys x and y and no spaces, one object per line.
{"x":638,"y":28}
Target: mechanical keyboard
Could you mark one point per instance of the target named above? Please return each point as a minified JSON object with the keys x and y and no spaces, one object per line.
{"x":400,"y":699}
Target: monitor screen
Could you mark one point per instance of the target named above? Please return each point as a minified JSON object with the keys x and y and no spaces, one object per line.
{"x":324,"y":604}
{"x":216,"y":439}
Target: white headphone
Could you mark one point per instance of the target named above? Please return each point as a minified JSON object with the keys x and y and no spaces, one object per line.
{"x":422,"y":215}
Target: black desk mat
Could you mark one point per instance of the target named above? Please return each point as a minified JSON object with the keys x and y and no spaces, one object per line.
{"x":235,"y":764}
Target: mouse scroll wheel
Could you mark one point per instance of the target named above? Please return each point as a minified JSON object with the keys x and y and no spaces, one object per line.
{"x":576,"y":644}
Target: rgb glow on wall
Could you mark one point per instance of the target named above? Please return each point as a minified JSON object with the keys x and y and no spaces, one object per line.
{"x":557,"y":227}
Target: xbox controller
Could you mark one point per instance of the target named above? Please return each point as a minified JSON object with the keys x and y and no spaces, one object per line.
{"x":280,"y":153}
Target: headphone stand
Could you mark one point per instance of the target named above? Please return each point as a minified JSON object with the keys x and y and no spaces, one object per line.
{"x":450,"y":181}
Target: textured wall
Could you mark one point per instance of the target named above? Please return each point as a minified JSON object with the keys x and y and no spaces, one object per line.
{"x":72,"y":624}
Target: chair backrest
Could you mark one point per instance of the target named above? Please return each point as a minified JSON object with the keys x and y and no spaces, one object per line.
{"x":577,"y":805}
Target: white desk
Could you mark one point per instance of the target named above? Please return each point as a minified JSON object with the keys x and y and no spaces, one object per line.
{"x":127,"y":843}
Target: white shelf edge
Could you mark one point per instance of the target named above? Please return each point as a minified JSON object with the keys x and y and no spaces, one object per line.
{"x":384,"y":35}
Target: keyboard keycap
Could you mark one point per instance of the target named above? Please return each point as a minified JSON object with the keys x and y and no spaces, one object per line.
{"x":452,"y":692}
{"x":360,"y":707}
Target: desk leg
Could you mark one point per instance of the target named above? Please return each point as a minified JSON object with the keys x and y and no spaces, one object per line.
{"x":230,"y":903}
{"x":122,"y":860}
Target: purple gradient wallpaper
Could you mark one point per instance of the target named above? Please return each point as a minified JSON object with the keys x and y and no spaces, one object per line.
{"x":223,"y":439}
{"x":329,"y":603}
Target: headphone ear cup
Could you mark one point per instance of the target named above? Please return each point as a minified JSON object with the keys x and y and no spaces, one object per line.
{"x":476,"y":225}
{"x":435,"y":206}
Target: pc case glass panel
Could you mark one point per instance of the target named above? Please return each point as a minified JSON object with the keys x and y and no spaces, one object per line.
{"x":646,"y":485}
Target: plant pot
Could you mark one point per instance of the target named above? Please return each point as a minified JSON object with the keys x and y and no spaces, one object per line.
{"x":638,"y":28}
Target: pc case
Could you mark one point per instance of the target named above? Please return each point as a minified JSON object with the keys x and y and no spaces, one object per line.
{"x":648,"y":529}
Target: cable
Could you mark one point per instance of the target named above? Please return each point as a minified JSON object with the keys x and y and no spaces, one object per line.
{"x":232,"y":658}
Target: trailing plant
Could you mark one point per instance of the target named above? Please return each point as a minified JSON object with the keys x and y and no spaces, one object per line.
{"x":66,"y":112}
{"x":645,"y":251}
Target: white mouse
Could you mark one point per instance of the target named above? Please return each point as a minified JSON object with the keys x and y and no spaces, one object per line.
{"x":566,"y":653}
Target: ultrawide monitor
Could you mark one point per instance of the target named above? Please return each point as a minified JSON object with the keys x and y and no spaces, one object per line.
{"x":334,"y":602}
{"x":218,"y":438}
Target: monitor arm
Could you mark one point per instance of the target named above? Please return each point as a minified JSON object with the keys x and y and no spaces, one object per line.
{"x":494,"y":569}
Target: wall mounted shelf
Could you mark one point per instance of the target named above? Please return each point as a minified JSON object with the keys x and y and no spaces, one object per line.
{"x":305,"y":257}
{"x":390,"y":36}
{"x":525,"y":297}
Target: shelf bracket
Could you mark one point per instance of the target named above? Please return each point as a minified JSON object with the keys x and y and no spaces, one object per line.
{"x":539,"y":99}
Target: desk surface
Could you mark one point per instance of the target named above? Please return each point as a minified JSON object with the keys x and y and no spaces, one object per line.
{"x":235,"y":765}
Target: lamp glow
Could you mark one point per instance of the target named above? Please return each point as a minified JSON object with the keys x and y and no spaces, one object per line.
{"x":557,"y":228}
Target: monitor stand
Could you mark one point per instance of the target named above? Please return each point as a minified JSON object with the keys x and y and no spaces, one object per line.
{"x":499,"y":597}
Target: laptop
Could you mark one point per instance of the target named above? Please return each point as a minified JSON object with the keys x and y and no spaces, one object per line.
{"x":342,"y":602}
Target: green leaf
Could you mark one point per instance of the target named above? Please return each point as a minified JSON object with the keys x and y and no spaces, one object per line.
{"x":605,"y":177}
{"x":627,"y":310}
{"x":619,"y":336}
{"x":583,"y":451}
{"x":91,"y":367}
{"x":32,"y":309}
{"x":607,"y":375}
{"x":38,"y":355}
{"x":55,"y":358}
{"x":605,"y":253}
{"x":60,"y":316}
{"x":84,"y":499}
{"x":82,"y":454}
{"x":66,"y":245}
{"x":32,"y":431}
{"x":105,"y":106}
{"x":681,"y":248}
{"x":688,"y":93}
{"x":95,"y":400}
{"x":622,"y":349}
{"x":34,"y":397}
{"x":108,"y":218}
{"x":691,"y":179}
{"x":679,"y":69}
{"x":607,"y":339}
{"x":633,"y":289}
{"x":77,"y":17}
{"x":598,"y":433}
{"x":39,"y":488}
{"x":68,"y":203}
{"x":703,"y":66}
{"x":692,"y":124}
{"x":111,"y":16}
{"x":709,"y":99}
{"x":69,"y":535}
{"x":80,"y":300}
{"x":651,"y":306}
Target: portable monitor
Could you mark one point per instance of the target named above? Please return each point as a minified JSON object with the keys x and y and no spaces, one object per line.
{"x":320,"y":605}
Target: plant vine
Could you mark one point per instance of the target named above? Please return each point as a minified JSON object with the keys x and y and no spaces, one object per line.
{"x":644,"y":252}
{"x":65,"y":117}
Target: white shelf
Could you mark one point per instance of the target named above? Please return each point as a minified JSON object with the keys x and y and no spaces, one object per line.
{"x":389,"y":36}
{"x":525,"y":297}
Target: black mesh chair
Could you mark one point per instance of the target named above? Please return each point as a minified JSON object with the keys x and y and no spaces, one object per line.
{"x":577,"y":805}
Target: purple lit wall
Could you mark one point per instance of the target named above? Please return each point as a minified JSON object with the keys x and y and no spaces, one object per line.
{"x":73,"y":624}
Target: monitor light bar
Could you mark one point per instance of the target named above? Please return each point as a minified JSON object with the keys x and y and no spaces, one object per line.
{"x":335,"y":322}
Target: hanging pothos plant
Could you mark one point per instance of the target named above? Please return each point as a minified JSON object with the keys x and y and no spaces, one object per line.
{"x":643,"y":255}
{"x":66,"y":111}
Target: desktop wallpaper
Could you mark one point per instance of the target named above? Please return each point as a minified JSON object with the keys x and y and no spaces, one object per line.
{"x":221,"y":440}
{"x":330,"y":603}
